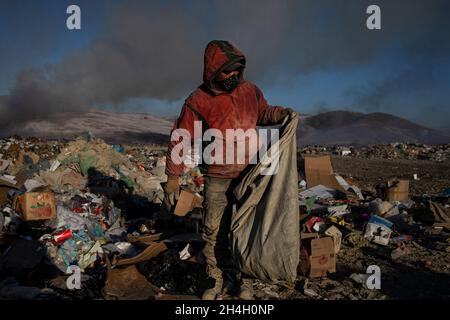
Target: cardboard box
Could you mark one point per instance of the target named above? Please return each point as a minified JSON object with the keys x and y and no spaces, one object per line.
{"x":317,"y":258}
{"x":304,"y":236}
{"x":39,"y":205}
{"x":187,"y":201}
{"x":4,"y":195}
{"x":318,"y":170}
{"x":398,"y":190}
{"x":323,"y":258}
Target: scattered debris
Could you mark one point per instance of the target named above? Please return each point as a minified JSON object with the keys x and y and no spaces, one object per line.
{"x":127,"y":284}
{"x":378,"y":230}
{"x":102,"y":213}
{"x":360,"y":278}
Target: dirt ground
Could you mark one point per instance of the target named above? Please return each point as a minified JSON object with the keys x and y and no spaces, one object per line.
{"x":433,"y":177}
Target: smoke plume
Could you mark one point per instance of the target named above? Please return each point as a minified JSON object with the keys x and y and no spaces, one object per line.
{"x":155,"y":50}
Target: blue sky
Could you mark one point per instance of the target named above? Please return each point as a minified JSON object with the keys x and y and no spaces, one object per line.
{"x":328,"y":62}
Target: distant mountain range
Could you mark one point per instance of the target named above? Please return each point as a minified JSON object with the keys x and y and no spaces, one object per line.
{"x":329,"y":128}
{"x":355,"y":128}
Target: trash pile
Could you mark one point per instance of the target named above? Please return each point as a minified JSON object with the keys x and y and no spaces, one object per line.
{"x":94,"y":163}
{"x":393,"y":151}
{"x":410,"y":151}
{"x":84,"y":220}
{"x":389,"y":224}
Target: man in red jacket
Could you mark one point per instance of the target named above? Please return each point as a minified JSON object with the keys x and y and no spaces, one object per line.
{"x":224,"y":101}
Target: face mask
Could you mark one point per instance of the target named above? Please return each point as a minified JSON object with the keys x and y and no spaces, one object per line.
{"x":230,"y":84}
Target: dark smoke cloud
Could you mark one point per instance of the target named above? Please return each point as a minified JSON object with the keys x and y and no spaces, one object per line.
{"x":426,"y":48}
{"x":321,"y":106}
{"x":150,"y":49}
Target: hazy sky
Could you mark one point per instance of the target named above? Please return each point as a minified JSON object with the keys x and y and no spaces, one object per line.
{"x":147,"y":55}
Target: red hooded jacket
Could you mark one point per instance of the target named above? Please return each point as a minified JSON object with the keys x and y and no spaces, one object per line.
{"x":244,"y":108}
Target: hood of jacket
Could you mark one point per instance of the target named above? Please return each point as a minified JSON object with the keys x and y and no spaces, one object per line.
{"x":220,"y":54}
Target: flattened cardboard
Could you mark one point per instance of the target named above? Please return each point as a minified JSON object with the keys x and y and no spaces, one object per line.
{"x":398,"y":190}
{"x":36,"y":205}
{"x":320,"y":172}
{"x":187,"y":201}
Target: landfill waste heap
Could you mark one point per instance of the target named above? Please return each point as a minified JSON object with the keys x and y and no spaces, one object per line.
{"x":88,"y":208}
{"x":396,"y":150}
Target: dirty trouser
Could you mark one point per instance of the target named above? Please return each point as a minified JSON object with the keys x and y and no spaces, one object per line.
{"x":218,"y":206}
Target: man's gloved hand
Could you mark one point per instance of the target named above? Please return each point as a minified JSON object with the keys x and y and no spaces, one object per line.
{"x":171,"y":192}
{"x":284,"y":113}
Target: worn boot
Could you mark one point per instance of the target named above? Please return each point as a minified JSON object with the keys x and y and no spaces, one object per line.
{"x":246,"y":289}
{"x":212,"y":293}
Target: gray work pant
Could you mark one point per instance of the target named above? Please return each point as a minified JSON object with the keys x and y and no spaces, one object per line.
{"x":217,"y":204}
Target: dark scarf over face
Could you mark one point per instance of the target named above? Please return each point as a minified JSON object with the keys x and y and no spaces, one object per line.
{"x":230,"y":84}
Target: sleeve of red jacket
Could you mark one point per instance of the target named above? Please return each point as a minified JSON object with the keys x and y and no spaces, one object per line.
{"x":268,"y":115}
{"x":184,"y":121}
